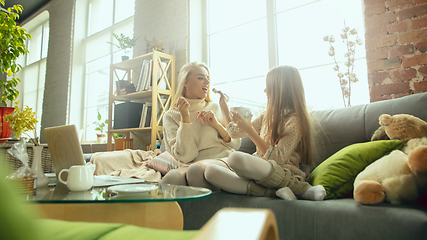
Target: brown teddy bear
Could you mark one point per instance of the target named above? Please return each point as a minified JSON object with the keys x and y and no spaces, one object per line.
{"x":396,"y":178}
{"x":402,"y":174}
{"x":400,"y":127}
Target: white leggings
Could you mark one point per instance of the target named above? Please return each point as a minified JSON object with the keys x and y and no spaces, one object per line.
{"x":246,"y":167}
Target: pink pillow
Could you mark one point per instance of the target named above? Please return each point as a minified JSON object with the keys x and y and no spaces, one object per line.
{"x":163,"y":163}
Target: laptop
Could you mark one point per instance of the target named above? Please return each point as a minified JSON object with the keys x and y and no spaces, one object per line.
{"x":64,"y":147}
{"x":66,"y":151}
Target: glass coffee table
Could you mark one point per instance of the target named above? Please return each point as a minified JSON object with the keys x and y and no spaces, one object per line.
{"x":150,"y":205}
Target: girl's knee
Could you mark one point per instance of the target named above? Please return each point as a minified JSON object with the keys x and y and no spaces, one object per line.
{"x":212,"y":172}
{"x":236,"y":159}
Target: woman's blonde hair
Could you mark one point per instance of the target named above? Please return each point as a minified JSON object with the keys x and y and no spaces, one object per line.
{"x":185,"y":71}
{"x":285,"y":92}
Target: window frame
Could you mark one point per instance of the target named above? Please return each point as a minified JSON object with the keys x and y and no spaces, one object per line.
{"x":272,"y":36}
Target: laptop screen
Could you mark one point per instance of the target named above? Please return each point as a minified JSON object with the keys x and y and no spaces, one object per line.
{"x":64,"y":147}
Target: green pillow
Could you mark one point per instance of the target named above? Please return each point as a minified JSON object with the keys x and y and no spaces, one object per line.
{"x":337,"y":173}
{"x":16,"y":214}
{"x":57,"y":229}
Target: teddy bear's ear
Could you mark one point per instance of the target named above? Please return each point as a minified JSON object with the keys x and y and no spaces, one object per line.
{"x":385,"y":119}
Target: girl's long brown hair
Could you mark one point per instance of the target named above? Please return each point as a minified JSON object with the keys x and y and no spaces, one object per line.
{"x":285,"y":91}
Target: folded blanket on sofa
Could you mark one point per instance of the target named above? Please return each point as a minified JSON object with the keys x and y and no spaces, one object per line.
{"x":126,"y":163}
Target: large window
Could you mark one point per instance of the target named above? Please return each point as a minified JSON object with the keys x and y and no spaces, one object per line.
{"x":105,"y":17}
{"x":247,"y":38}
{"x":33,"y":73}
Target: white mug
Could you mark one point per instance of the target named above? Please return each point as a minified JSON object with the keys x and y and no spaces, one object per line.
{"x":245,"y":112}
{"x":80,"y":177}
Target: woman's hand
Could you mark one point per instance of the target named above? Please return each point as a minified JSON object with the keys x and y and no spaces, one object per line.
{"x":244,"y":124}
{"x":183,"y":107}
{"x":208,"y":117}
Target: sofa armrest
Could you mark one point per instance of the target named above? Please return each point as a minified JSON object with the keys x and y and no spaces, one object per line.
{"x":240,"y":223}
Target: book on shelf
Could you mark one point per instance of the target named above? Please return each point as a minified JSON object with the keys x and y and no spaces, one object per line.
{"x":148,"y":76}
{"x":148,"y":115}
{"x":162,"y":84}
{"x":145,"y":115}
{"x":143,"y":75}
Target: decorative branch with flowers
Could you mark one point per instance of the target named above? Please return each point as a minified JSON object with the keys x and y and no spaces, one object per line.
{"x":348,"y":76}
{"x":23,"y":121}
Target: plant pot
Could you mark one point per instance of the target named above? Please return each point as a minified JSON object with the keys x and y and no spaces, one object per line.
{"x":101,"y":138}
{"x":124,"y":58}
{"x":5,"y":129}
{"x":123,"y":143}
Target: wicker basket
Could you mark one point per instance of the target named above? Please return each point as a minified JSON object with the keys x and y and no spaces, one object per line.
{"x":24,"y":185}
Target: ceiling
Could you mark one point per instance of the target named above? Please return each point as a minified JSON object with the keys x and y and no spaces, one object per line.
{"x":30,"y":7}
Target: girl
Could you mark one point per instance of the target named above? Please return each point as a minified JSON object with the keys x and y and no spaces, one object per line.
{"x":284,"y":142}
{"x":194,"y":129}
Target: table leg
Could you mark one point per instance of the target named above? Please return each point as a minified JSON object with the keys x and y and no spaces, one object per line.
{"x":159,"y":215}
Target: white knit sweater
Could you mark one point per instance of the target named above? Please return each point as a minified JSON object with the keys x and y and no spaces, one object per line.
{"x":195,"y":141}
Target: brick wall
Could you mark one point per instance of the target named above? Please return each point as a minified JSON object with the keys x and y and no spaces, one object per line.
{"x":396,"y":44}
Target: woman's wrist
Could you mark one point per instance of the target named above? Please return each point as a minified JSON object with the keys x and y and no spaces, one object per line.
{"x":185,"y":119}
{"x":223,"y":133}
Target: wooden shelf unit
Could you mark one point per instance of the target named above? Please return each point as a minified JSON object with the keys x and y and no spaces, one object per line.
{"x":154,"y":95}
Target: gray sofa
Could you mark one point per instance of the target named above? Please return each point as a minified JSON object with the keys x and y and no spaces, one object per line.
{"x":337,"y":218}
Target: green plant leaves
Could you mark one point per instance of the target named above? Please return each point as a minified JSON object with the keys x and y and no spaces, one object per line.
{"x":12,"y":46}
{"x":124,"y":42}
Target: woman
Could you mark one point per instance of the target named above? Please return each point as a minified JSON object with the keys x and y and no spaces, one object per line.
{"x":194,"y":129}
{"x":282,"y":135}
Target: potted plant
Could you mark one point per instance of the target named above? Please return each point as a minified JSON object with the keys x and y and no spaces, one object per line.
{"x":23,"y":121}
{"x":12,"y":45}
{"x":100,"y":127}
{"x":125,"y":43}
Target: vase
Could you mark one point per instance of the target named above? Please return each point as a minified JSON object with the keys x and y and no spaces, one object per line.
{"x":37,"y":167}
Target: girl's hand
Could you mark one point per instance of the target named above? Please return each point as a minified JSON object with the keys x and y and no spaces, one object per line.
{"x":244,"y":124}
{"x":183,"y":107}
{"x":208,"y":117}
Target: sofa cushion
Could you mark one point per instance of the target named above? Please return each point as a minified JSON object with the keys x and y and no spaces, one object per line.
{"x":17,"y":217}
{"x":57,"y":229}
{"x":413,"y":104}
{"x":336,"y":129}
{"x":163,"y":163}
{"x":338,"y":172}
{"x":330,"y":219}
{"x":135,"y":233}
